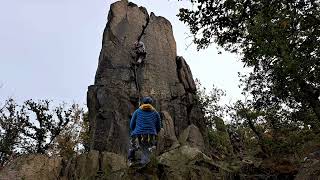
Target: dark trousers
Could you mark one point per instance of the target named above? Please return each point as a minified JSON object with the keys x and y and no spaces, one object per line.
{"x":141,"y":56}
{"x":143,"y":142}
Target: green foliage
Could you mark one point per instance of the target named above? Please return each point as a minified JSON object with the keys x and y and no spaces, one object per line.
{"x":275,"y":133}
{"x":85,"y":133}
{"x":11,"y":124}
{"x":219,"y":139}
{"x":279,"y":39}
{"x":210,"y":103}
{"x":214,"y":111}
{"x":40,"y":132}
{"x":36,"y":127}
{"x":69,"y":141}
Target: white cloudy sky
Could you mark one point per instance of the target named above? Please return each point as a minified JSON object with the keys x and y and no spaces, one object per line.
{"x":50,"y":48}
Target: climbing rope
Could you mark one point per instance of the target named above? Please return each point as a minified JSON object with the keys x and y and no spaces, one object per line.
{"x":137,"y":83}
{"x":135,"y":65}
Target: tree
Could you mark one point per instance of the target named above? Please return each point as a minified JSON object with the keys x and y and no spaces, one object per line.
{"x":210,"y":103}
{"x":279,"y":39}
{"x":69,"y":141}
{"x":243,"y":114}
{"x":214,"y":113}
{"x":85,"y":132}
{"x":39,"y":133}
{"x":36,"y":127}
{"x":12,"y":122}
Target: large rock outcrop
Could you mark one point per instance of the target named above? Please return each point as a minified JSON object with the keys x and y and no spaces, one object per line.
{"x":181,"y":163}
{"x":119,"y":83}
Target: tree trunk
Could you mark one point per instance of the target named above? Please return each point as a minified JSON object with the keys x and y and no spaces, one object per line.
{"x":259,"y":135}
{"x":311,"y":95}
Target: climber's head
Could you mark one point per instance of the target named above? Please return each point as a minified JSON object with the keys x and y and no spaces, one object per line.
{"x":147,"y":100}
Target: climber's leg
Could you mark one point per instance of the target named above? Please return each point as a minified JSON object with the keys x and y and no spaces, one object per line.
{"x":132,"y":150}
{"x":153,"y":143}
{"x":139,"y":60}
{"x":145,"y":159}
{"x":141,"y":57}
{"x":145,"y":148}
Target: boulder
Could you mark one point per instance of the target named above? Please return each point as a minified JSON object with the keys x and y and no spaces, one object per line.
{"x":85,"y":165}
{"x":94,"y":165}
{"x":167,"y":138}
{"x":185,"y":75}
{"x":310,"y":169}
{"x":32,"y":167}
{"x":192,"y":136}
{"x":187,"y":162}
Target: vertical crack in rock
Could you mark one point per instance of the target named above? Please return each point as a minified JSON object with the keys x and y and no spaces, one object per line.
{"x":144,"y":27}
{"x":100,"y":171}
{"x":189,"y":110}
{"x":136,"y":78}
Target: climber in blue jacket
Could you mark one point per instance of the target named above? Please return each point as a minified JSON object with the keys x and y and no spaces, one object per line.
{"x":144,"y":126}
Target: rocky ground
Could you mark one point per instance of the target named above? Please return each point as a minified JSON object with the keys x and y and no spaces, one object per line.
{"x":183,"y":162}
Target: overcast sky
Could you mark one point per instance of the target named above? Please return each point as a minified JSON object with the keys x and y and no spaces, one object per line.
{"x":49,"y":48}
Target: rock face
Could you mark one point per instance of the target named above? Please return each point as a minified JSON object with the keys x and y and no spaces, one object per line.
{"x":32,"y":167}
{"x":167,"y":137}
{"x":119,"y":84}
{"x":181,"y":163}
{"x":310,"y":169}
{"x":92,"y":165}
{"x":186,"y":162}
{"x":192,"y":137}
{"x":118,"y":87}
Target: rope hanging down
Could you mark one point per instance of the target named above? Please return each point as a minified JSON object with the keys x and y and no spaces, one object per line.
{"x":140,"y":57}
{"x":137,"y":83}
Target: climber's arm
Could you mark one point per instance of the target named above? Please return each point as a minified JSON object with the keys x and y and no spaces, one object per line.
{"x":133,"y":121}
{"x":158,"y":122}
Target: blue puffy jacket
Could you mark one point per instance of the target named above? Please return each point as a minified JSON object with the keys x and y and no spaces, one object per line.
{"x":145,"y":120}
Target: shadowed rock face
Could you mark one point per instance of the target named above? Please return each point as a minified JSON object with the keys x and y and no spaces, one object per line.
{"x":119,"y":84}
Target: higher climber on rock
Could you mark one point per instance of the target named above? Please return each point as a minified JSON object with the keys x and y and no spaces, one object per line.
{"x":140,"y":51}
{"x":144,"y":126}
